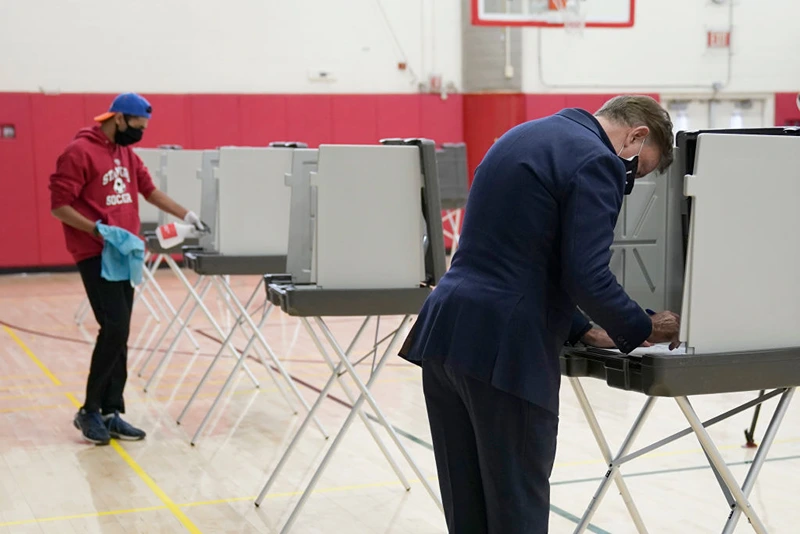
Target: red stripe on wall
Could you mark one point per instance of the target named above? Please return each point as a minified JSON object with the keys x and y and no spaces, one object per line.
{"x":19,"y":221}
{"x":309,"y":119}
{"x":262,"y":119}
{"x":786,"y":109}
{"x":56,"y":120}
{"x":354,"y":119}
{"x":29,"y":236}
{"x":487,"y":117}
{"x":214,"y":120}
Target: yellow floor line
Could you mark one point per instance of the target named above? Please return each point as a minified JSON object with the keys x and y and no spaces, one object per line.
{"x":81,"y":516}
{"x":32,"y":356}
{"x":177,"y":512}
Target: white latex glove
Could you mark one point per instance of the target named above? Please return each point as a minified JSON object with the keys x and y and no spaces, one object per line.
{"x":193,"y":219}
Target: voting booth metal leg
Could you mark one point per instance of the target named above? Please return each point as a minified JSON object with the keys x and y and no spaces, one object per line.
{"x":221,"y":350}
{"x":275,"y":361}
{"x":168,"y":353}
{"x":718,"y":462}
{"x":737,"y":495}
{"x":83,"y":309}
{"x":453,"y":218}
{"x":241,"y":319}
{"x":760,"y":457}
{"x":336,"y":374}
{"x":170,"y":311}
{"x":198,"y":303}
{"x":613,"y":473}
{"x":235,"y":308}
{"x":364,"y":396}
{"x":139,"y":293}
{"x":594,"y":425}
{"x":227,"y":383}
{"x":148,"y":272}
{"x":200,"y":283}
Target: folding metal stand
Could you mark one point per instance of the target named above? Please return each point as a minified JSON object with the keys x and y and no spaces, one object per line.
{"x":204,"y":264}
{"x":365,"y":303}
{"x":678,"y":377}
{"x":198,"y":303}
{"x":453,"y":218}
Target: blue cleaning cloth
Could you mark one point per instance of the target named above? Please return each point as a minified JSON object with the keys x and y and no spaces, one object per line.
{"x":123,"y":255}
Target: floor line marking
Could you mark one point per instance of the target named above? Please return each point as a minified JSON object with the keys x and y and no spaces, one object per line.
{"x":177,"y":512}
{"x":81,"y":516}
{"x":32,"y":356}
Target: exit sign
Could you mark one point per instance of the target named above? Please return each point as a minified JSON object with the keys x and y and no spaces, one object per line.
{"x":718,"y":39}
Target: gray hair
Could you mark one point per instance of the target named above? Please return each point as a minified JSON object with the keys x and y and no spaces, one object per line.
{"x":640,"y":110}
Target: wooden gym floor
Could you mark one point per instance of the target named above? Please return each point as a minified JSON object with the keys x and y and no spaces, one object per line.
{"x":53,"y":482}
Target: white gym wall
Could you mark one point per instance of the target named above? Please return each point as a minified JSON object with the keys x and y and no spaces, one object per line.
{"x":236,"y":46}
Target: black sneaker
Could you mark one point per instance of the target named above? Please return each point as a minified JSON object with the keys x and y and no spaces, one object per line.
{"x":92,"y":427}
{"x":119,"y":429}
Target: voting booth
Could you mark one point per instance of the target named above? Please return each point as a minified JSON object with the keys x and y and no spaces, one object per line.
{"x":175,"y":175}
{"x":246,"y":204}
{"x":340,"y":266}
{"x":152,"y":159}
{"x":730,"y":196}
{"x":252,"y":193}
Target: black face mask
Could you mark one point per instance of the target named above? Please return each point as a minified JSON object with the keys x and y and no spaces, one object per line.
{"x":129,"y":136}
{"x":631,"y":167}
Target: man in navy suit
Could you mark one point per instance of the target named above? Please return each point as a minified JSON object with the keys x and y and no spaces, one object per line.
{"x":535,"y":247}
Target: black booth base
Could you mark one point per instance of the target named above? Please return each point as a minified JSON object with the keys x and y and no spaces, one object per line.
{"x":214,"y":264}
{"x":313,"y":301}
{"x":679,"y":375}
{"x":152,"y":244}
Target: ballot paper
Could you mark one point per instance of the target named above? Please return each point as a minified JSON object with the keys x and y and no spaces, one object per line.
{"x":658,"y":348}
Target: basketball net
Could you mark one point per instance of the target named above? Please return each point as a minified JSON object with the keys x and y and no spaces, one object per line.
{"x":570,"y":10}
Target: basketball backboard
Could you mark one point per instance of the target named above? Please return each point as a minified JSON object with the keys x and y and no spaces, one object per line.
{"x":554,"y":13}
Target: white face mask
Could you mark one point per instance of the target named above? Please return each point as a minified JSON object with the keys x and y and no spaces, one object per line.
{"x":631,"y":167}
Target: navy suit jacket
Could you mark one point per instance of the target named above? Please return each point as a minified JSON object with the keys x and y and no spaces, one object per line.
{"x":535,"y":243}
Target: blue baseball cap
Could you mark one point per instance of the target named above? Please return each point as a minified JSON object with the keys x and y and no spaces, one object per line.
{"x":127,"y":104}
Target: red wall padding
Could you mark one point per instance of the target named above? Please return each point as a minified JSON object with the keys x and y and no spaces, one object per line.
{"x":19,"y":222}
{"x":30,"y":236}
{"x":786,"y":111}
{"x":487,"y":117}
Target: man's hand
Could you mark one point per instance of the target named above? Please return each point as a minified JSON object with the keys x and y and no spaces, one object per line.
{"x":666,"y":328}
{"x":597,"y":337}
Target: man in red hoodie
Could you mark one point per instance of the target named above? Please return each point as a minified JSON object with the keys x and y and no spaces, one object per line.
{"x":99,"y":178}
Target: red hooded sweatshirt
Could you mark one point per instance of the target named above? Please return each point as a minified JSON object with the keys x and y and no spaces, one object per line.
{"x":102,"y":181}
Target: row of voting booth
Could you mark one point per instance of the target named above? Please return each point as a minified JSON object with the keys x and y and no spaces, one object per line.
{"x":342,"y":230}
{"x":358,"y":230}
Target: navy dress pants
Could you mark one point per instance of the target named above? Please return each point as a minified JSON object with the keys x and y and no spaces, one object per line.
{"x":494,"y":454}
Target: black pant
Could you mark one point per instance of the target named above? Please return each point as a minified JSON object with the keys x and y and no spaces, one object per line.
{"x":494,"y":454}
{"x":112,"y":304}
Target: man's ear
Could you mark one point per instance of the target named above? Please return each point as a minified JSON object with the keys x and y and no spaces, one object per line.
{"x":639,"y":133}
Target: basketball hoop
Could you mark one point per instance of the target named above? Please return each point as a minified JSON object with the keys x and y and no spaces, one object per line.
{"x":572,"y":15}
